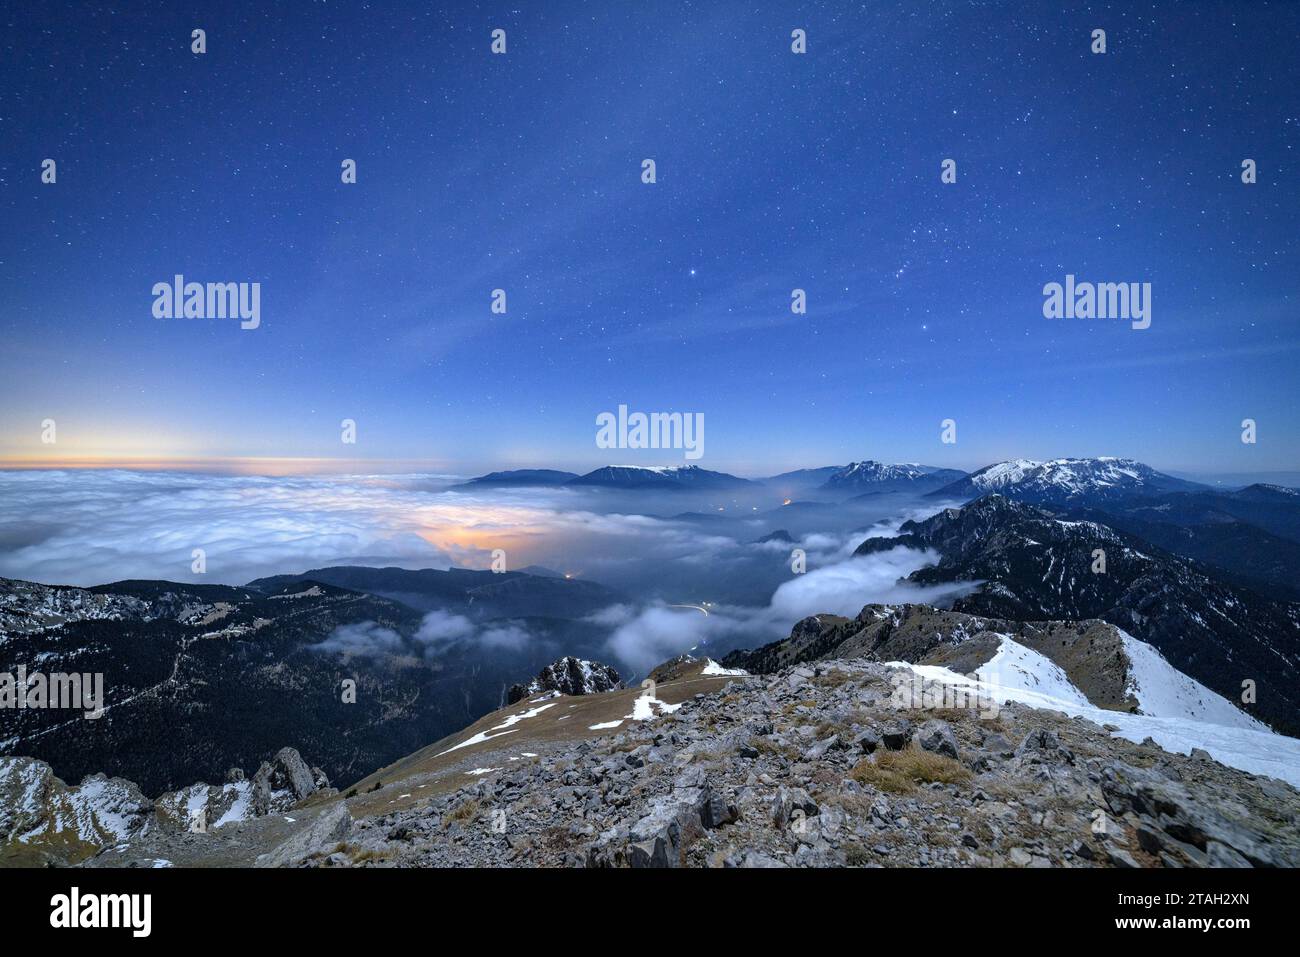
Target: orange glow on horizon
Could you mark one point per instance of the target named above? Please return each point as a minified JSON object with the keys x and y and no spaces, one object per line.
{"x":232,"y":465}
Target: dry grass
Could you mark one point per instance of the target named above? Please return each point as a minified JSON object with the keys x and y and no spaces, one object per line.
{"x":832,"y":679}
{"x":901,"y":771}
{"x":825,"y":777}
{"x":855,"y":805}
{"x":707,"y":757}
{"x":466,"y":812}
{"x":768,"y":746}
{"x":856,"y":855}
{"x":369,"y":854}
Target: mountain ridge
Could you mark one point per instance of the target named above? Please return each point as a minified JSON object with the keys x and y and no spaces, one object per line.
{"x":1028,"y":564}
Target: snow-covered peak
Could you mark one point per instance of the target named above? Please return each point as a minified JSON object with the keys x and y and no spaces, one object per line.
{"x":569,"y":676}
{"x":869,"y":473}
{"x":656,"y":469}
{"x":1070,"y":478}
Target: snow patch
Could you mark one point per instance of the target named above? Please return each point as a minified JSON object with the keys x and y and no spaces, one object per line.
{"x":1163,"y":690}
{"x":713,"y":669}
{"x":505,"y":727}
{"x":1256,"y":752}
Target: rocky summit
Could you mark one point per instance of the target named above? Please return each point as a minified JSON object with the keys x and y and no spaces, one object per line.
{"x":570,"y":676}
{"x":814,"y":765}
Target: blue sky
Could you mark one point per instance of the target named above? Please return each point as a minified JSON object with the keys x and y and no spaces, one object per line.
{"x":775,"y":171}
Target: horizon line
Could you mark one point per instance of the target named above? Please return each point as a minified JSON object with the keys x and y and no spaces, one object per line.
{"x":285,"y":466}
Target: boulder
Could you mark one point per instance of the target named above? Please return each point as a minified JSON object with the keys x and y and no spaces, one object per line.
{"x":283,"y":781}
{"x":329,"y":828}
{"x":788,"y":801}
{"x":1164,"y":805}
{"x":937,"y":736}
{"x":896,"y":734}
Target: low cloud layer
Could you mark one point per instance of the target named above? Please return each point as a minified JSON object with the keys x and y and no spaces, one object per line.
{"x":439,"y":631}
{"x":93,"y":527}
{"x":643,"y":639}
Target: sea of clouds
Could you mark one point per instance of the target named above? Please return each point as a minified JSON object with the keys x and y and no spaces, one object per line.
{"x":85,"y":527}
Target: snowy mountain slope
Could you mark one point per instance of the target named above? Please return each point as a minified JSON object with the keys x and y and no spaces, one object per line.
{"x":1065,"y":481}
{"x":802,"y":478}
{"x":1031,"y":681}
{"x":1014,"y":666}
{"x":1160,"y":689}
{"x":1034,"y":566}
{"x":1163,"y":691}
{"x":870,"y":476}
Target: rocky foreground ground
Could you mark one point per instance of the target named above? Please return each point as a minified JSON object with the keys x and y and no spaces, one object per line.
{"x":814,"y":766}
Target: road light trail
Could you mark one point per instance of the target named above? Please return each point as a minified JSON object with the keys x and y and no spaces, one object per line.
{"x":696,"y":607}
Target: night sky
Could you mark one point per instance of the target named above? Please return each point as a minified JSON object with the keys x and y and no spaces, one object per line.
{"x":775,"y":171}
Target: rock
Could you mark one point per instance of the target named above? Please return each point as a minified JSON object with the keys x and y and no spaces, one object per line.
{"x":658,"y":838}
{"x":329,"y":828}
{"x":1121,"y":858}
{"x":716,"y":811}
{"x":1220,"y":855}
{"x":936,"y":736}
{"x":997,"y":744}
{"x":657,"y":851}
{"x":1084,"y":850}
{"x":758,"y":859}
{"x":1168,"y":806}
{"x":40,"y":812}
{"x":568,"y":676}
{"x":789,"y":800}
{"x":282,"y":782}
{"x":819,"y":748}
{"x":1149,"y":840}
{"x":1039,"y":740}
{"x":896,"y":734}
{"x":865,"y":741}
{"x":1044,"y":745}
